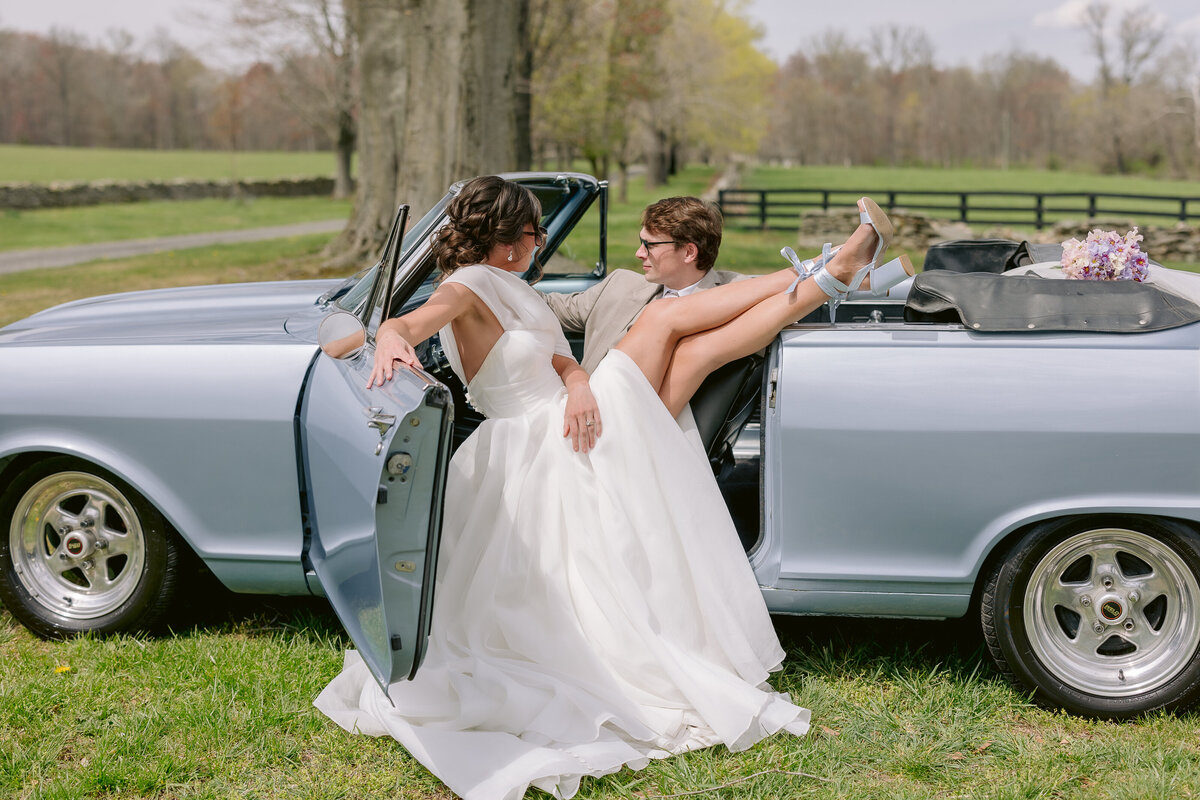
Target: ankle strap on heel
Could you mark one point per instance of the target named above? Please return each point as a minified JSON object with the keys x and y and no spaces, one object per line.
{"x":805,"y":269}
{"x":831,"y":286}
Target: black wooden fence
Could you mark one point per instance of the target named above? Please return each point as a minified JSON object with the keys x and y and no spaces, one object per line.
{"x":779,"y":209}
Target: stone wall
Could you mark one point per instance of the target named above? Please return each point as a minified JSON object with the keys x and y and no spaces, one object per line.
{"x":60,"y":195}
{"x":915,"y":232}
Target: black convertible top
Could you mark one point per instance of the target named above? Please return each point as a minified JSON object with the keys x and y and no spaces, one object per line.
{"x":990,"y":302}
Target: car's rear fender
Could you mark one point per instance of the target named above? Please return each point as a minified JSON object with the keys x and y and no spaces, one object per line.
{"x":996,"y":543}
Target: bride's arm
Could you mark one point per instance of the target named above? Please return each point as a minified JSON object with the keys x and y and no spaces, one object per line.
{"x":581,"y":405}
{"x":395,"y":338}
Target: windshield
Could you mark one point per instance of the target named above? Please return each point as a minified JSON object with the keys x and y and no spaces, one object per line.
{"x":354,"y":299}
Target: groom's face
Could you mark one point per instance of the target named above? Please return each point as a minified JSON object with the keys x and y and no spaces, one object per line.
{"x":671,"y":264}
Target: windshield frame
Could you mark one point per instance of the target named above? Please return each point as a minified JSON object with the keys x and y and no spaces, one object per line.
{"x":361,"y":297}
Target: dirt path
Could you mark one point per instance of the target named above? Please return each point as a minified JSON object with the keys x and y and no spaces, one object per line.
{"x":18,"y":260}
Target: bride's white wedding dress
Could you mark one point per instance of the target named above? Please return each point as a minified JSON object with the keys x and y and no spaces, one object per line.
{"x":592,"y":610}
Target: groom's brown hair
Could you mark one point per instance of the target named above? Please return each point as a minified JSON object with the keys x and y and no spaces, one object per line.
{"x":688,"y":219}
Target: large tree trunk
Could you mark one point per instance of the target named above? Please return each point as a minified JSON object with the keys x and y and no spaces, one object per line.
{"x":343,"y":183}
{"x":524,"y":98}
{"x":440,"y":81}
{"x":657,"y":159}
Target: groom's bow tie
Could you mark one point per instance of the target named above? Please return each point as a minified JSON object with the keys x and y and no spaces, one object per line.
{"x":670,"y":293}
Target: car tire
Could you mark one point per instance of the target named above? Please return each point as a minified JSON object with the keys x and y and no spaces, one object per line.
{"x":1099,"y":616}
{"x":82,"y":552}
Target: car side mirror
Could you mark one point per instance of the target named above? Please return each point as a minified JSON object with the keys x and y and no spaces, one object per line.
{"x":342,"y":335}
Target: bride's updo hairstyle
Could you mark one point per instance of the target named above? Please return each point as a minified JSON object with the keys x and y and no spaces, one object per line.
{"x":487,"y":212}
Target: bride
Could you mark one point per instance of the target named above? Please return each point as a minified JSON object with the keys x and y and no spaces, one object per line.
{"x":594,"y":608}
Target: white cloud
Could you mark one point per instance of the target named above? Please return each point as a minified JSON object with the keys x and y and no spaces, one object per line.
{"x":1189,"y":25}
{"x":1070,"y":13}
{"x":1067,"y":15}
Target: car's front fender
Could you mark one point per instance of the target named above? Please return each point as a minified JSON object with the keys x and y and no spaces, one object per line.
{"x":205,"y":432}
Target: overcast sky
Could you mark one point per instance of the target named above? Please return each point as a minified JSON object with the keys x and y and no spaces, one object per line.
{"x":962,"y":31}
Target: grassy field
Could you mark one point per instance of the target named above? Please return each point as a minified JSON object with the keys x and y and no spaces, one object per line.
{"x":23,"y":293}
{"x":900,"y":178}
{"x":35,"y":164}
{"x":744,"y":249}
{"x":221,"y":708}
{"x":54,"y":227}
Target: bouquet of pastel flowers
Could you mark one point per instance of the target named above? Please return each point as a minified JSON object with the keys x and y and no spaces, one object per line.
{"x":1105,"y":256}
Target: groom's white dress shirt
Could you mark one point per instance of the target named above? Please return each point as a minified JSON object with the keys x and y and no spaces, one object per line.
{"x":684,"y":292}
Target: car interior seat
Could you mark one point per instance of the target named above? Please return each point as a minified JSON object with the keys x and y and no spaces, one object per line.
{"x":724,"y":404}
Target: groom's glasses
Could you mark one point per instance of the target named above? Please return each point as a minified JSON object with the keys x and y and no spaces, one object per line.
{"x":539,"y":235}
{"x":648,"y":245}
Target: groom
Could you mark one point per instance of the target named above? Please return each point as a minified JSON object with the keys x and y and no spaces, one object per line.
{"x":680,"y":239}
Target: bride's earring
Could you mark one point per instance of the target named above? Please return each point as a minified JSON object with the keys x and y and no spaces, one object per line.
{"x":510,"y":255}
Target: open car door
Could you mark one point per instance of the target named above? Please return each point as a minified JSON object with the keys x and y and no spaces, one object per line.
{"x":375,"y":467}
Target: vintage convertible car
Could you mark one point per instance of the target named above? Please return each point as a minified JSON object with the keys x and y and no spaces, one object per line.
{"x":1046,"y":482}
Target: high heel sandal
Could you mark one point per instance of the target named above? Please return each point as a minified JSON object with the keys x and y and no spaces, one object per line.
{"x":805,"y":269}
{"x":884,"y":277}
{"x":869,"y":213}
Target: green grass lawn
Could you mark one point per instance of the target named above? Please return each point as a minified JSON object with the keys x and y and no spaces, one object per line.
{"x":23,"y":293}
{"x":744,"y":249}
{"x":899,"y":178}
{"x":55,"y":227}
{"x":39,"y":164}
{"x":222,"y":709}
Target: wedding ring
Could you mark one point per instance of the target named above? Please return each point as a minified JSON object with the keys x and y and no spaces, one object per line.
{"x":590,"y":423}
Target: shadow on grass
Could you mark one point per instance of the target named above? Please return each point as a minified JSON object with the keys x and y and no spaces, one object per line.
{"x":832,"y":645}
{"x":215,"y":610}
{"x":839,"y":646}
{"x":829,"y":647}
{"x":223,"y":611}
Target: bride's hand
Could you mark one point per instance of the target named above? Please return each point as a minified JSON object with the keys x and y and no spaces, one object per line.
{"x":390,"y":347}
{"x":581,"y":409}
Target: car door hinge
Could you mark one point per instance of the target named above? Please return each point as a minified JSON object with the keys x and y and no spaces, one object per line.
{"x":771,"y":387}
{"x":381,"y":496}
{"x":396,"y":644}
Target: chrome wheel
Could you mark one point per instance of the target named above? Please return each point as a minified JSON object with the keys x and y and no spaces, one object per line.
{"x":77,"y":545}
{"x":1100,"y":616}
{"x":1113,"y":612}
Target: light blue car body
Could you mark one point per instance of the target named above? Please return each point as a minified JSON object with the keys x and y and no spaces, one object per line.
{"x":899,"y":457}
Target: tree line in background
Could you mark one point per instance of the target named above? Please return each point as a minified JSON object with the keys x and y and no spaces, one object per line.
{"x":622,"y":81}
{"x":883,"y":101}
{"x":62,"y":90}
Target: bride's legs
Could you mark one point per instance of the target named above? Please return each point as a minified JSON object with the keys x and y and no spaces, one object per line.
{"x":697,"y":355}
{"x":678,"y":342}
{"x":652,"y":339}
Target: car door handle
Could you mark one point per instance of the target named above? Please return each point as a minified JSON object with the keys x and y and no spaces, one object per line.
{"x":381,"y":422}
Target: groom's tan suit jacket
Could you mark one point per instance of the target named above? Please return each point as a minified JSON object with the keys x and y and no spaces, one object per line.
{"x":605,"y":312}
